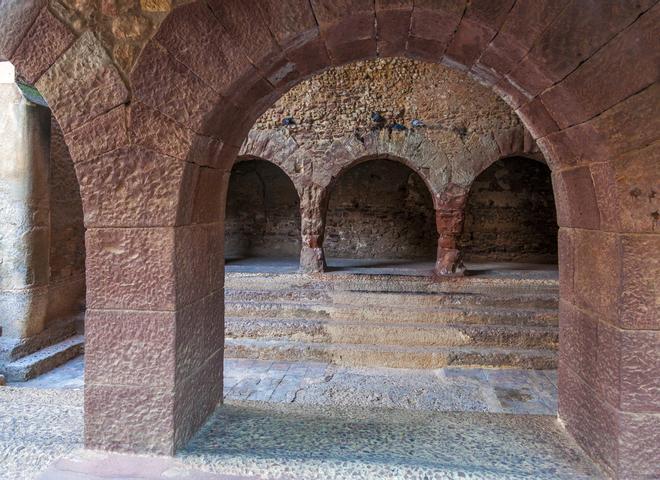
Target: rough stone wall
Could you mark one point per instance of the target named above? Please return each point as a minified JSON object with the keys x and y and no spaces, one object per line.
{"x":380,"y":209}
{"x":339,"y":102}
{"x":466,"y":128}
{"x":262,"y":217}
{"x":67,"y":237}
{"x":510,"y":214}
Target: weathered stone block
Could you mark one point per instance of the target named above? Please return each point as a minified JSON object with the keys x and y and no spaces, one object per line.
{"x":146,"y":188}
{"x":130,"y":268}
{"x":46,"y":40}
{"x":85,"y":67}
{"x":597,"y":272}
{"x":130,"y":348}
{"x":640,"y":299}
{"x":116,"y":415}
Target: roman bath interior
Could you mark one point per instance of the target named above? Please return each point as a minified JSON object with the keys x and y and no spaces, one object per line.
{"x":333,"y":239}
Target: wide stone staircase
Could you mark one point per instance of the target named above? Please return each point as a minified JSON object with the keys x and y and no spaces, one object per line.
{"x":393,"y":320}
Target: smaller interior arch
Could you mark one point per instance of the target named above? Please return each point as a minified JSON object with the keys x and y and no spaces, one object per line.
{"x":510,"y":214}
{"x":380,"y":210}
{"x":263,"y":214}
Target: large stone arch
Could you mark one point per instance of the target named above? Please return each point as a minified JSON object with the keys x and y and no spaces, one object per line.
{"x":153,"y":147}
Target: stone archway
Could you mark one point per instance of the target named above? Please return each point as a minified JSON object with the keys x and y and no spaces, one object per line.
{"x":510,"y":214}
{"x":153,"y":149}
{"x":380,"y":209}
{"x":263,"y":213}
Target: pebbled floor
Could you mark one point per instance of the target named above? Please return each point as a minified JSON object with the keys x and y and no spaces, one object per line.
{"x":323,"y":421}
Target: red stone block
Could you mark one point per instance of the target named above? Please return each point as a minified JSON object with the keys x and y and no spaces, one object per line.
{"x":577,"y":32}
{"x":130,"y":348}
{"x":632,"y":124}
{"x":195,"y":38}
{"x":578,"y":342}
{"x":191,"y":268}
{"x":103,"y":134}
{"x":169,"y":87}
{"x":309,"y":58}
{"x":292,"y":22}
{"x":637,"y":185}
{"x":130,"y":268}
{"x":359,"y":26}
{"x":353,"y":51}
{"x":331,"y":11}
{"x":151,"y":129}
{"x":131,"y":186}
{"x":196,"y":397}
{"x":46,"y":40}
{"x":82,"y":84}
{"x":639,"y":366}
{"x":590,"y":420}
{"x":393,"y":26}
{"x":510,"y":93}
{"x":606,"y":195}
{"x":16,"y":18}
{"x":436,"y":25}
{"x":537,"y":119}
{"x":575,"y":198}
{"x":116,"y":415}
{"x":566,"y":249}
{"x":522,"y":27}
{"x":597,"y":273}
{"x":244,"y":21}
{"x":604,"y":79}
{"x":639,"y":308}
{"x":639,"y":446}
{"x":210,"y":193}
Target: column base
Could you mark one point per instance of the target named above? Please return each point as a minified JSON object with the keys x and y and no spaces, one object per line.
{"x":312,"y":260}
{"x":449,"y":263}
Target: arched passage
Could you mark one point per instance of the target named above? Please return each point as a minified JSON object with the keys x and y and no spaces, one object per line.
{"x":582,"y":76}
{"x":510,"y":214}
{"x":380,"y":209}
{"x":262,"y":219}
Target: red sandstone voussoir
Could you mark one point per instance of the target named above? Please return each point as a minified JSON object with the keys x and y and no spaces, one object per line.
{"x":46,"y":40}
{"x":602,"y":80}
{"x":101,"y":135}
{"x":16,"y":18}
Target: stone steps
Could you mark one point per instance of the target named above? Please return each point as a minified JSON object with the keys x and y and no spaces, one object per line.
{"x":394,"y":314}
{"x":44,"y":360}
{"x":390,"y":355}
{"x":393,"y":320}
{"x":399,"y":299}
{"x":406,"y":334}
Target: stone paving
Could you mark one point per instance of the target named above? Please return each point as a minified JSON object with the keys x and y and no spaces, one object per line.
{"x":315,"y":420}
{"x":311,"y":383}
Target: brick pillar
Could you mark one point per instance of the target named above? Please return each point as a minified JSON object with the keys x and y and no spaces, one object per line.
{"x":313,"y":210}
{"x":24,"y":216}
{"x":449,"y":219}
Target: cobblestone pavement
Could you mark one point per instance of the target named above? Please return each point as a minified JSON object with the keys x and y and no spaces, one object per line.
{"x":42,"y":419}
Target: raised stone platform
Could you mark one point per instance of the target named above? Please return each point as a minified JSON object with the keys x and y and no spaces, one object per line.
{"x":393,"y":314}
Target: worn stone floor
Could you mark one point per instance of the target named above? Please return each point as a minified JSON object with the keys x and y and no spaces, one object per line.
{"x":311,"y":383}
{"x":313,"y":420}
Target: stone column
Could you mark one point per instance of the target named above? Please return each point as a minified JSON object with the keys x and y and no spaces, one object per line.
{"x":313,"y":210}
{"x":24,"y":215}
{"x":449,"y":219}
